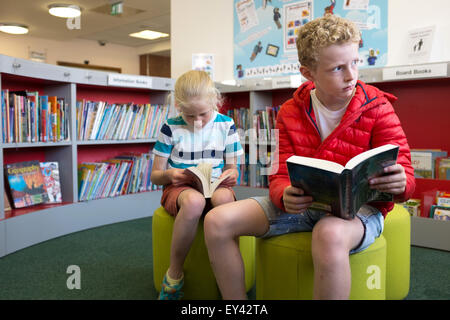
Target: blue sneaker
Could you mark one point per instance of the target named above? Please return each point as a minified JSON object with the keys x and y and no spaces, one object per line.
{"x":169,"y":292}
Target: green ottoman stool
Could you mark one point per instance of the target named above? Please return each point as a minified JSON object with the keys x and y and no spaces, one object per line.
{"x":199,"y":281}
{"x":284,"y":269}
{"x":397,"y":231}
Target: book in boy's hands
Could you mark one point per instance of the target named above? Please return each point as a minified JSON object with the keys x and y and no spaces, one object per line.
{"x":26,"y":183}
{"x":201,"y":178}
{"x":342,"y":190}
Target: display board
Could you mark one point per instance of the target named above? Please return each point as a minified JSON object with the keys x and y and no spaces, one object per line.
{"x":265,"y":32}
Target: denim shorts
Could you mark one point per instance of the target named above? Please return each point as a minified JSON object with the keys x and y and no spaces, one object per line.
{"x":281,"y":222}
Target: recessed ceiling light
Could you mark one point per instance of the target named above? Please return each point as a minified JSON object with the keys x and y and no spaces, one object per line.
{"x":64,"y":10}
{"x":149,"y":35}
{"x":13,"y":28}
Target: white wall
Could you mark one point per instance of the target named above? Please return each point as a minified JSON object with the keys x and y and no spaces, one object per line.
{"x":202,"y":26}
{"x":206,"y":26}
{"x":405,"y":15}
{"x":75,"y":51}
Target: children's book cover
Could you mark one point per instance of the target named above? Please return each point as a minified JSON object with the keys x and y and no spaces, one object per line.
{"x":50,"y":171}
{"x":26,"y":183}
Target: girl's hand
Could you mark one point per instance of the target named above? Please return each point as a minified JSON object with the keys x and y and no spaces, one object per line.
{"x":393,"y":182}
{"x":232,"y":179}
{"x":295,"y":201}
{"x":177,"y":176}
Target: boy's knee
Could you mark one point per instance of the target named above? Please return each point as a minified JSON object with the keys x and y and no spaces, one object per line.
{"x":328,"y":234}
{"x":215,"y":223}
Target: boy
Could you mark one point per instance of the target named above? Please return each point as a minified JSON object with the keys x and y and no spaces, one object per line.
{"x":333,"y":116}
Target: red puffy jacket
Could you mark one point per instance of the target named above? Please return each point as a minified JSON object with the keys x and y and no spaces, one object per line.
{"x":370,"y":121}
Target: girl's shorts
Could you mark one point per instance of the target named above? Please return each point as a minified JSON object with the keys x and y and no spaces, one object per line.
{"x":281,"y":222}
{"x":170,"y":196}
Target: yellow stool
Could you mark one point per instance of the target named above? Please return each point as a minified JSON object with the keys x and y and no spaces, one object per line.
{"x":284,"y":267}
{"x":199,"y":280}
{"x":397,"y":231}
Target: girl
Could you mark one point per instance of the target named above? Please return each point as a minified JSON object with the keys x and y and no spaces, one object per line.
{"x":198,"y":134}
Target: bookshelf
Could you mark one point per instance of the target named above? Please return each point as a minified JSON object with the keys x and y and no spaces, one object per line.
{"x":420,"y":98}
{"x":20,"y":228}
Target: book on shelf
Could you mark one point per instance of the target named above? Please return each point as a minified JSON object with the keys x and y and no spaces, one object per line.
{"x":440,"y":212}
{"x":201,"y":176}
{"x":6,"y":202}
{"x":103,"y":121}
{"x":29,"y":117}
{"x":124,"y":174}
{"x":25,"y":183}
{"x":413,"y":207}
{"x":50,"y":171}
{"x":442,"y":170}
{"x":424,"y":160}
{"x":342,"y":190}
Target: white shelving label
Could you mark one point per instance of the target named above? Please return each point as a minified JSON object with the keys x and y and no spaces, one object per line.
{"x":415,"y":72}
{"x":121,"y":80}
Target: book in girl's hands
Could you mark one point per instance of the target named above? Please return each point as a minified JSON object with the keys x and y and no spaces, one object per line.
{"x":341,"y":190}
{"x":201,"y":178}
{"x":26,"y":183}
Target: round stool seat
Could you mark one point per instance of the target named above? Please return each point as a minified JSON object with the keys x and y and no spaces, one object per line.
{"x":199,"y":279}
{"x":284,"y":269}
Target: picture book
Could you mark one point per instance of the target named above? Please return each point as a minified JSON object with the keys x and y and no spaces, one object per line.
{"x":201,"y":178}
{"x":424,"y":160}
{"x":50,"y":171}
{"x":6,"y":202}
{"x":26,"y":183}
{"x":341,"y":190}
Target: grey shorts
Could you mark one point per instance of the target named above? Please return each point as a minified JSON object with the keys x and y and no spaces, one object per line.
{"x":281,"y":222}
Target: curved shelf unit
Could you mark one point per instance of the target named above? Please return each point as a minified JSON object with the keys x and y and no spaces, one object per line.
{"x":25,"y":227}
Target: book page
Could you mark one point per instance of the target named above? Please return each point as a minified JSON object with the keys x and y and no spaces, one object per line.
{"x":368,"y":154}
{"x":317,"y":163}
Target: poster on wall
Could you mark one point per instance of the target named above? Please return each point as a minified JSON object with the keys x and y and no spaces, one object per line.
{"x":265,"y":33}
{"x":203,"y":62}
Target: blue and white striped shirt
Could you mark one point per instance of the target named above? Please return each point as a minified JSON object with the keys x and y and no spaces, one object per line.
{"x":212,"y":143}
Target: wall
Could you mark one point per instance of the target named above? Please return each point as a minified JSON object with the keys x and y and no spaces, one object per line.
{"x":75,"y":51}
{"x":199,"y":26}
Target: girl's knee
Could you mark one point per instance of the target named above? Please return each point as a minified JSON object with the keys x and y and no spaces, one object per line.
{"x":222,"y":196}
{"x":191,"y":204}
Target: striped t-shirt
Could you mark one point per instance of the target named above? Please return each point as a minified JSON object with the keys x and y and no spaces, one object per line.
{"x":212,"y":143}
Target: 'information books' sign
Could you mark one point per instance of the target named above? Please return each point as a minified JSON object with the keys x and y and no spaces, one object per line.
{"x":120,"y":80}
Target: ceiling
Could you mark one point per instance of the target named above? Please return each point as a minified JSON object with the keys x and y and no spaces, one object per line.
{"x":96,"y":23}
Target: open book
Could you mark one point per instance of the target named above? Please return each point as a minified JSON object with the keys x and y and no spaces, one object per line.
{"x":341,"y":190}
{"x":201,"y":178}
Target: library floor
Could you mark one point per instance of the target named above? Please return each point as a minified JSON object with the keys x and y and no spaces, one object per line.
{"x":116,"y":262}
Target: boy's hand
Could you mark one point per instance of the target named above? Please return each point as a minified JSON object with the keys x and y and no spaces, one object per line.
{"x":393,"y":182}
{"x":177,"y":176}
{"x":232,"y":179}
{"x":295,"y":201}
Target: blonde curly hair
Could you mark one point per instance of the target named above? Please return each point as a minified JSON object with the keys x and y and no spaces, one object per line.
{"x":322,"y":32}
{"x":195,"y":84}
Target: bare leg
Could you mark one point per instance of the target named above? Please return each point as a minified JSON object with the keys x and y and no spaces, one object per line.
{"x":332,"y":239}
{"x":223,"y":225}
{"x":191,"y":204}
{"x":221,"y":196}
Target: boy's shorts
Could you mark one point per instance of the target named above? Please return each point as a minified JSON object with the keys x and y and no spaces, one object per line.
{"x":281,"y":222}
{"x":170,"y":196}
